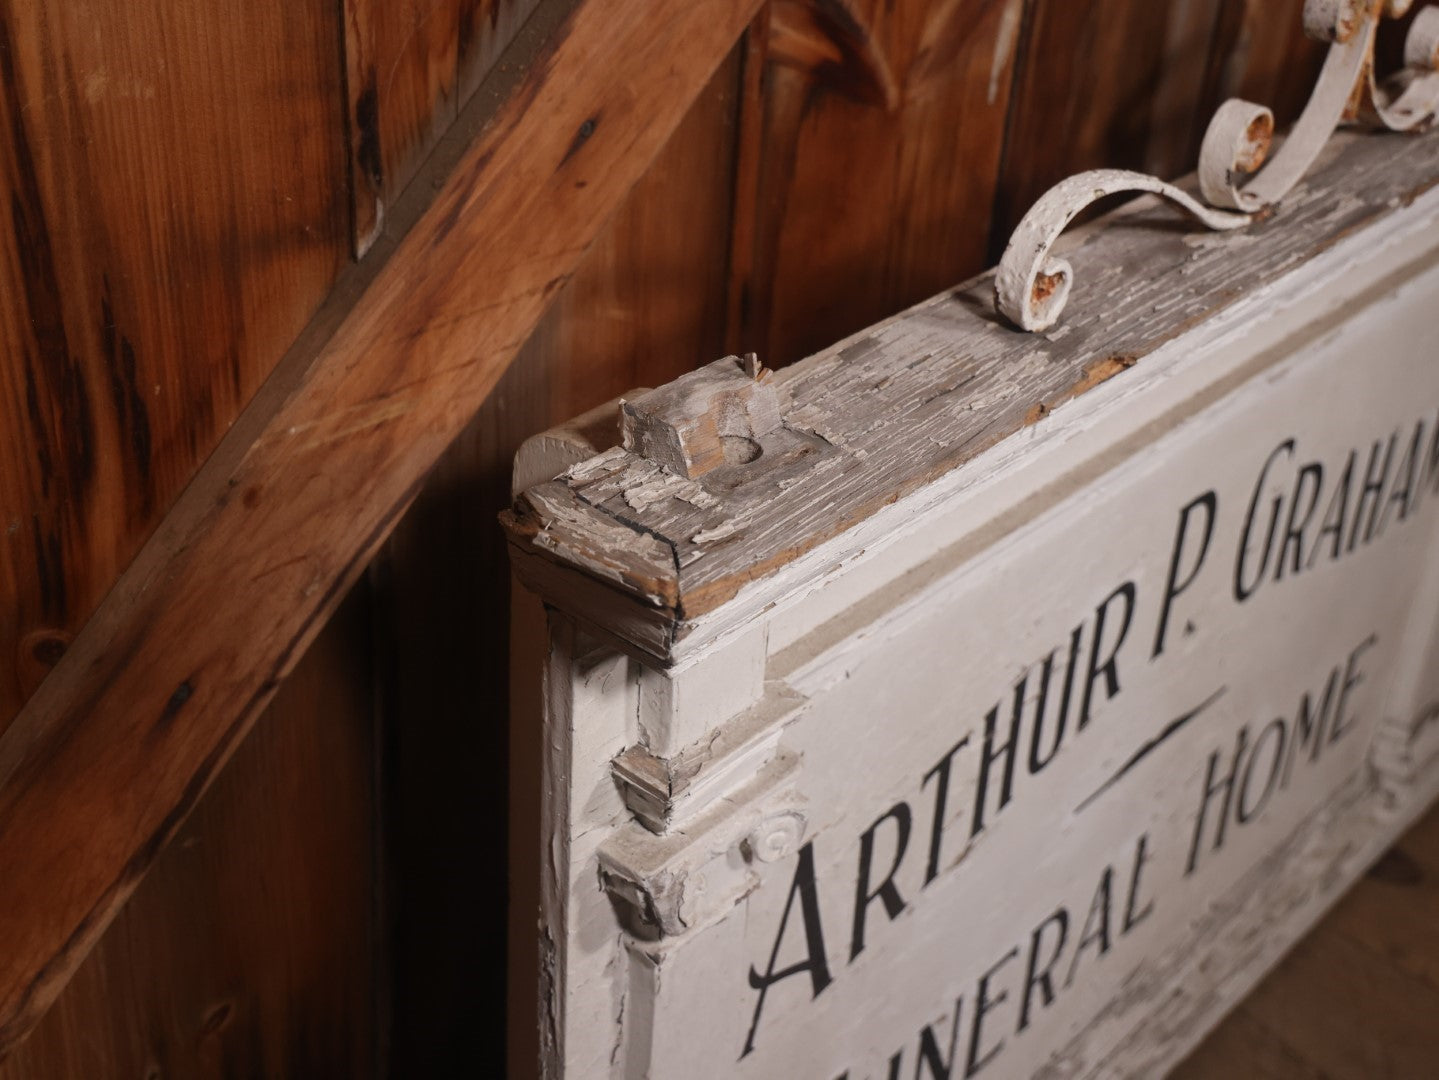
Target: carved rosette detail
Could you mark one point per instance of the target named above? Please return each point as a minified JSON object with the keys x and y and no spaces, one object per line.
{"x":1238,"y":177}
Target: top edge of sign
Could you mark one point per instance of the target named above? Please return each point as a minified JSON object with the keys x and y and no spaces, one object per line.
{"x":734,"y":474}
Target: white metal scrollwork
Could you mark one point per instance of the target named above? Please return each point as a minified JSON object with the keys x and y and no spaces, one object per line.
{"x":1237,"y":176}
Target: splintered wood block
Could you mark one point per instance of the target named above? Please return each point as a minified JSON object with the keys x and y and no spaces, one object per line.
{"x":707,"y":419}
{"x":1015,"y":702}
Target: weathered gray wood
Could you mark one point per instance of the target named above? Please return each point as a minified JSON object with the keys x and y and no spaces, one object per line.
{"x":883,"y":413}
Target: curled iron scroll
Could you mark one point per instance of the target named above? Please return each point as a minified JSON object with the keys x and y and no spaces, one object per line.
{"x":1238,"y":178}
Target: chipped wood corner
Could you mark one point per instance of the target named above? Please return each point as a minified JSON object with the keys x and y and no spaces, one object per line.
{"x":544,"y":456}
{"x":670,"y":883}
{"x":548,"y":519}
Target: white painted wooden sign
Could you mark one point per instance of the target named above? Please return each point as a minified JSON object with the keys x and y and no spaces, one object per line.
{"x":961,"y":702}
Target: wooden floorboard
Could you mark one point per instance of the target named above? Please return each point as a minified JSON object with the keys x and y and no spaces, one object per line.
{"x":1358,"y":999}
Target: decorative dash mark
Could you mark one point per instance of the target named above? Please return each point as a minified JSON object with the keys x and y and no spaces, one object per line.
{"x":1172,"y":728}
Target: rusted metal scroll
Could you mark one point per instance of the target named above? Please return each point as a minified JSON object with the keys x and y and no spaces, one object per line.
{"x":1238,"y":176}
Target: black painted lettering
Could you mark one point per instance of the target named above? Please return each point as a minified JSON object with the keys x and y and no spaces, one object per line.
{"x":814,"y":962}
{"x":1371,"y":493}
{"x":887,"y":892}
{"x":991,"y":754}
{"x":1429,"y":470}
{"x":1244,"y":584}
{"x":1037,"y":977}
{"x":1133,"y":917}
{"x":1335,"y":515}
{"x":1096,"y":924}
{"x":1037,"y":759}
{"x":1309,"y":725}
{"x":940,"y":774}
{"x":1353,"y":676}
{"x":1173,"y":586}
{"x":940,"y":1068}
{"x":1109,"y":667}
{"x":1404,"y":491}
{"x":983,"y":1003}
{"x":1248,"y":807}
{"x":1291,"y":550}
{"x":1222,"y":787}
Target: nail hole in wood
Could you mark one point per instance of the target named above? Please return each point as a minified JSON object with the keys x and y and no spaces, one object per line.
{"x":739,"y":450}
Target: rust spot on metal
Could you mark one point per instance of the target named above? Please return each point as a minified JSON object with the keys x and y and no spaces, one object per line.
{"x":1351,"y":16}
{"x":1045,"y":286}
{"x":1258,"y":138}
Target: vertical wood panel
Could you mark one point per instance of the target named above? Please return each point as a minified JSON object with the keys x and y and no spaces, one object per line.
{"x":410,"y":64}
{"x":251,"y":948}
{"x":878,"y":152}
{"x":1133,"y":84}
{"x":1262,"y":54}
{"x":646,"y":305}
{"x":174,"y":208}
{"x":485,"y":28}
{"x":1084,"y":89}
{"x":1177,"y":112}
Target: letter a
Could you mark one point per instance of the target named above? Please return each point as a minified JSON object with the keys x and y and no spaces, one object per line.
{"x":804,"y":886}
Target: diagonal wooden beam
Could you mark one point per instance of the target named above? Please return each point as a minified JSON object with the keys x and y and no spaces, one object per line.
{"x":111,"y":753}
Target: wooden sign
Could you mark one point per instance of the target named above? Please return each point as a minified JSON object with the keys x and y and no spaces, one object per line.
{"x":961,"y":702}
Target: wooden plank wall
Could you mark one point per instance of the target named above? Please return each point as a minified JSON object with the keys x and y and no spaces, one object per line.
{"x":175,"y":209}
{"x":249,"y":950}
{"x":180,"y":192}
{"x":409,"y":64}
{"x":183,"y":183}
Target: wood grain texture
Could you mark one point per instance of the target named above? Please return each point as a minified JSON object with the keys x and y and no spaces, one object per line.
{"x":254,"y":949}
{"x":645,"y":305}
{"x":1261,"y":54}
{"x":864,"y":431}
{"x":174,"y":210}
{"x":104,"y":763}
{"x":1087,"y":80}
{"x":866,"y":164}
{"x":409,"y":66}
